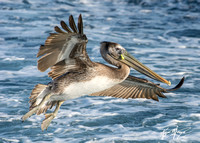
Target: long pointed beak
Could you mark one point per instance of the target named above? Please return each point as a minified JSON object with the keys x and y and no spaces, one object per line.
{"x":129,"y":60}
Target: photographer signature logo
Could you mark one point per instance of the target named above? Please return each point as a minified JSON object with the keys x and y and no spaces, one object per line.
{"x":174,"y":134}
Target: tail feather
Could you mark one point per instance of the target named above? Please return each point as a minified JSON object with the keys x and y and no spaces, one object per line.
{"x":37,"y":96}
{"x":36,"y":92}
{"x":39,"y":101}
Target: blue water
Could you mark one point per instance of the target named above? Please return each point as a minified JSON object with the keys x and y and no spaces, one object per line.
{"x":164,"y":35}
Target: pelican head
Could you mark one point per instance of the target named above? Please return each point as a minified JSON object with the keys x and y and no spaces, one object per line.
{"x":115,"y":54}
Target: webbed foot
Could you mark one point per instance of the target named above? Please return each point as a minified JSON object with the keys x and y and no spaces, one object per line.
{"x":46,"y":122}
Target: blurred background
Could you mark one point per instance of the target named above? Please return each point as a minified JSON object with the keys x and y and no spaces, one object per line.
{"x":164,"y":35}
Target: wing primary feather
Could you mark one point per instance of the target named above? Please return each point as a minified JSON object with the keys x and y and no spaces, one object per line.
{"x":80,"y":24}
{"x":148,"y":94}
{"x":65,"y":26}
{"x":57,"y":29}
{"x":153,"y":95}
{"x":160,"y":94}
{"x":72,"y":24}
{"x":41,"y":51}
{"x":143,"y":94}
{"x":47,"y":61}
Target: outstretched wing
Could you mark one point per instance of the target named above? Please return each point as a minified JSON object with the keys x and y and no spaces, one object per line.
{"x":134,"y":87}
{"x":65,"y":50}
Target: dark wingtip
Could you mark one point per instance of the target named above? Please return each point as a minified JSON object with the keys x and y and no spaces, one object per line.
{"x":65,"y":26}
{"x":71,"y":16}
{"x":178,"y":85}
{"x":72,"y":24}
{"x":80,"y":15}
{"x":104,"y":42}
{"x":80,"y":24}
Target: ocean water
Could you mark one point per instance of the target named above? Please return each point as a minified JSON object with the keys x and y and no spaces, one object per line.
{"x":164,"y":35}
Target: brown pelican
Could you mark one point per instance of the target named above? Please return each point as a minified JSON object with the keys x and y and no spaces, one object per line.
{"x":75,"y":75}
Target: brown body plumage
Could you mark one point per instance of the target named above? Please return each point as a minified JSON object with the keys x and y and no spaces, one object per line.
{"x":75,"y":75}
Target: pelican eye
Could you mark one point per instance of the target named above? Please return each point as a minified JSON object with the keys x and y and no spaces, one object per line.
{"x":117,"y":49}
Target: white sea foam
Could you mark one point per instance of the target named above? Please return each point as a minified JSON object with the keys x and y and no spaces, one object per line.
{"x":11,"y":140}
{"x":195,"y":115}
{"x":152,"y":118}
{"x":142,"y":41}
{"x":8,"y":118}
{"x":146,"y":11}
{"x":129,"y":136}
{"x":170,"y":123}
{"x":28,"y":71}
{"x":193,"y":102}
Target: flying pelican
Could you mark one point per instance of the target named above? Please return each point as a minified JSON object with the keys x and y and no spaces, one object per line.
{"x":74,"y":74}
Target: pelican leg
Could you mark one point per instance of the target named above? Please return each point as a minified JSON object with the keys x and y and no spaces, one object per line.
{"x":50,"y":116}
{"x":34,"y":110}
